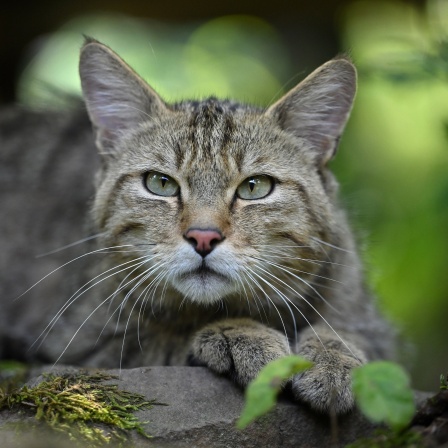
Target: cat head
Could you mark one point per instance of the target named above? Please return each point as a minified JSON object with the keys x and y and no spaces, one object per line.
{"x":219,"y":197}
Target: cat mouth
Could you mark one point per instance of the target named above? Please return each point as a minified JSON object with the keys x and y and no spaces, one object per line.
{"x":204,"y":284}
{"x":203,"y":272}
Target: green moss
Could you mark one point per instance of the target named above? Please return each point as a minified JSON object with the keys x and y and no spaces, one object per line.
{"x":81,"y":406}
{"x":389,"y":438}
{"x":12,"y":375}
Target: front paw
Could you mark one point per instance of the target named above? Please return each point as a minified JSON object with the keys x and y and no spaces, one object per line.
{"x":239,"y":348}
{"x":327,"y":386}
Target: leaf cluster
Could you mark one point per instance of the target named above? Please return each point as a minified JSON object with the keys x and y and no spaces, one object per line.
{"x":262,"y":392}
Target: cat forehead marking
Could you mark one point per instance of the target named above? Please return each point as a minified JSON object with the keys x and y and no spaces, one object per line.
{"x":207,"y":151}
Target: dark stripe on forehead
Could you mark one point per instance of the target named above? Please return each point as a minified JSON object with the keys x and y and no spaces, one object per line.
{"x":210,"y":128}
{"x":228,"y":129}
{"x":180,"y":155}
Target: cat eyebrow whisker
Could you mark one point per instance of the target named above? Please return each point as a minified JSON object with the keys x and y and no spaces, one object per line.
{"x":67,"y":246}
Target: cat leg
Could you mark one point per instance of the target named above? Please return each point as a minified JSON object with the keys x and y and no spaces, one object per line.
{"x":327,"y":386}
{"x":239,"y":348}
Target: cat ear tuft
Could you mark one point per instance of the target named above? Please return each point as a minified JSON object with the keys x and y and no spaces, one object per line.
{"x":117,"y":99}
{"x":318,"y":108}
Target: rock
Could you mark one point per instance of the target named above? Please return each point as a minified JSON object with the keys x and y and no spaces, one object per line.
{"x":202,"y":409}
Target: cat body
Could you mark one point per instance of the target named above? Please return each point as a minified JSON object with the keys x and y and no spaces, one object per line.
{"x":217,"y":238}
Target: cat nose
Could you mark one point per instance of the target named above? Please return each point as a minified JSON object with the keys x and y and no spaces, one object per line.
{"x":203,"y":240}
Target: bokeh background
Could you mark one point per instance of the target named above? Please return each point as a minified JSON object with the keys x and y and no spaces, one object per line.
{"x":393,"y":158}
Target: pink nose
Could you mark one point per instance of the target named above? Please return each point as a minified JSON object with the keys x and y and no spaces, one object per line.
{"x":203,"y":240}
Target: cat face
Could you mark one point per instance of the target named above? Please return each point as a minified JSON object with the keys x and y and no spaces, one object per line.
{"x":218,"y":199}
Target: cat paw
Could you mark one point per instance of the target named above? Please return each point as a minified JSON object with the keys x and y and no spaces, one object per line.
{"x":239,"y":348}
{"x":327,"y":386}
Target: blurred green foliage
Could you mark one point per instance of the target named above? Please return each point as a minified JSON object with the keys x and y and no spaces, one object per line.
{"x":393,"y":165}
{"x":241,"y":57}
{"x":393,"y":160}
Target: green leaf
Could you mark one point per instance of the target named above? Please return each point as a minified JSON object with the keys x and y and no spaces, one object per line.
{"x":383,"y":394}
{"x":262,"y":391}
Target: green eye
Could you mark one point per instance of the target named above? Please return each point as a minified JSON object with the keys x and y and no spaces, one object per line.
{"x":161,"y":184}
{"x":255,"y":187}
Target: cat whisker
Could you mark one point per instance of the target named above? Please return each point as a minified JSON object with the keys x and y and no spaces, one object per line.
{"x":319,"y":262}
{"x":258,"y":299}
{"x":278,"y":246}
{"x":246,"y":295}
{"x":130,"y":314}
{"x":139,"y":279}
{"x":83,"y":323}
{"x":67,"y":246}
{"x":287,"y":300}
{"x":332,"y":245}
{"x":311,"y":306}
{"x":278,"y":266}
{"x":249,"y":273}
{"x":301,"y":271}
{"x":97,"y":251}
{"x":74,"y":297}
{"x":120,"y":288}
{"x":152,"y":286}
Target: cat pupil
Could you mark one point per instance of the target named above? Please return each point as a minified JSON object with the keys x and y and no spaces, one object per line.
{"x":251,"y":184}
{"x":163,"y":180}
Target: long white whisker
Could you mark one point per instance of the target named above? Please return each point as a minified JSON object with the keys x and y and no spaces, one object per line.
{"x":80,"y":327}
{"x":301,"y":271}
{"x":126,"y":277}
{"x":285,"y":302}
{"x":314,"y":308}
{"x":154,"y":284}
{"x":256,"y":297}
{"x":141,"y":278}
{"x":67,"y":246}
{"x":301,"y":280}
{"x":331,"y":245}
{"x":104,"y":250}
{"x":131,"y":311}
{"x":249,"y":272}
{"x":43,"y":335}
{"x":120,"y":288}
{"x":78,"y":294}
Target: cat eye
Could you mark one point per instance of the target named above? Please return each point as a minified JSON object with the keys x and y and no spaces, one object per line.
{"x":255,"y":187}
{"x":161,"y":184}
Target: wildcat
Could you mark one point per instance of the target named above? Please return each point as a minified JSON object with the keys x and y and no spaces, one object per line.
{"x":215,"y":234}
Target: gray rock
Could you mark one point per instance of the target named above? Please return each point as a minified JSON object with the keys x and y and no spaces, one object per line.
{"x":202,"y":411}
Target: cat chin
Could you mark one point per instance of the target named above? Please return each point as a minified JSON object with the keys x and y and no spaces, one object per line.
{"x":204,"y":289}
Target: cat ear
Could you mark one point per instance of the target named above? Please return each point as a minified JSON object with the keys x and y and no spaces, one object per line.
{"x":117,"y":99}
{"x":318,"y":108}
